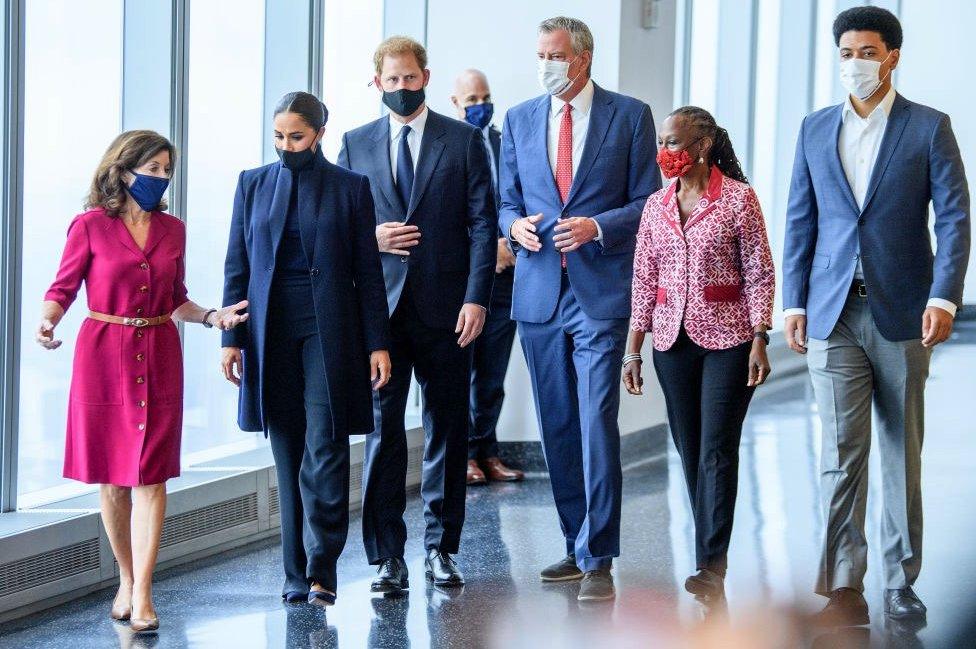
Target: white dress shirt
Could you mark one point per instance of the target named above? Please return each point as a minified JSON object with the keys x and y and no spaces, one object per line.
{"x":858,"y":146}
{"x":416,"y":134}
{"x":581,"y":103}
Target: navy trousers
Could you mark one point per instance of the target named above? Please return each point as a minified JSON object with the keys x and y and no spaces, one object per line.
{"x":574,"y":362}
{"x":443,"y":370}
{"x":311,"y":459}
{"x":492,"y":351}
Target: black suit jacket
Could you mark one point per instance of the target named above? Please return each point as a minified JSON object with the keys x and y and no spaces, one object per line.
{"x":453,"y":205}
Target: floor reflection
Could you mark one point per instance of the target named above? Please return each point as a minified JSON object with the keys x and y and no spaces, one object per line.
{"x":512,"y":530}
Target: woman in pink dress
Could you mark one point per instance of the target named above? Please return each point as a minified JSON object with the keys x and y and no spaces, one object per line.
{"x":125,"y":407}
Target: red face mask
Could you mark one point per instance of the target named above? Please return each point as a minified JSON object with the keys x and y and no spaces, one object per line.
{"x":675,"y":164}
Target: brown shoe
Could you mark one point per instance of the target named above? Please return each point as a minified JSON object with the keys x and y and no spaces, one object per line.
{"x":498,"y":472}
{"x":845,"y":608}
{"x":475,"y":474}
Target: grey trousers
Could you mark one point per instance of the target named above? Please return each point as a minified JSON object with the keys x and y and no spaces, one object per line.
{"x":855,"y":367}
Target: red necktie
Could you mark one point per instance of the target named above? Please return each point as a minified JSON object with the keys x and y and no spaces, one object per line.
{"x":564,"y":159}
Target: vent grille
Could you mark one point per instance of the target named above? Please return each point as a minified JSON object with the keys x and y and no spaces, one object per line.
{"x":356,"y":479}
{"x":274,"y":507}
{"x":48,"y":567}
{"x":415,"y":461}
{"x":207,"y":520}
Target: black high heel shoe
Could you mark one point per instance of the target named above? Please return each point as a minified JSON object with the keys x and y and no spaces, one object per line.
{"x":295,"y":596}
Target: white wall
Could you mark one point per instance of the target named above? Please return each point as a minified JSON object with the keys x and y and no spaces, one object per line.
{"x":501,"y":42}
{"x":930,"y":74}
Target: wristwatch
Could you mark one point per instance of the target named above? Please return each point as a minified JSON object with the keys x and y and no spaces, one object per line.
{"x":761,"y":334}
{"x":206,"y":319}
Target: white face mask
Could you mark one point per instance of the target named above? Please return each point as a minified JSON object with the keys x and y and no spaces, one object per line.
{"x":861,"y":77}
{"x":554,"y":76}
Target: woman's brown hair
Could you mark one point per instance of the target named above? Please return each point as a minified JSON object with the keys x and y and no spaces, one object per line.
{"x":130,"y":150}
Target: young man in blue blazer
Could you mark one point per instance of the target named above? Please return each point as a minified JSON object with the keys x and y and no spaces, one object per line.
{"x":866,"y":300}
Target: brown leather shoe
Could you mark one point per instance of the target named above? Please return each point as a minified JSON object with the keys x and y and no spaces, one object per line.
{"x":475,"y":474}
{"x":498,"y":472}
{"x":845,"y":608}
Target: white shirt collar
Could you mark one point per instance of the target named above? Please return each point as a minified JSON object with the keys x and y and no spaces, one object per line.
{"x":417,"y":124}
{"x":581,"y":103}
{"x":882,"y":109}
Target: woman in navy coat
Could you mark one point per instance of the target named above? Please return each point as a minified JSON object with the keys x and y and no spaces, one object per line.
{"x":303,"y":251}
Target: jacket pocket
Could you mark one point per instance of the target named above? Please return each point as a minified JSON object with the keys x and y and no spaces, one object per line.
{"x":820,"y":260}
{"x":720,"y":293}
{"x":662,"y":295}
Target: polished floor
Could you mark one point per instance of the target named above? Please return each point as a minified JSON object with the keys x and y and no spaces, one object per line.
{"x":511,"y":531}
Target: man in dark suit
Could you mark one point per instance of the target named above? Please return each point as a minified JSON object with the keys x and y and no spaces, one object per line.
{"x":493,"y":350}
{"x":577,"y":167}
{"x":435,"y":213}
{"x":866,"y":298}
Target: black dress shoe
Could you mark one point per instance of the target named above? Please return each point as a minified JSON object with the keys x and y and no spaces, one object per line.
{"x":705,"y":583}
{"x":845,"y":608}
{"x":391,"y":576}
{"x":442,"y":570}
{"x":903,"y":603}
{"x":563,"y":570}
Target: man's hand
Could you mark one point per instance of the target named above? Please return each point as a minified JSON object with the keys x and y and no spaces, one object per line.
{"x":505,"y":257}
{"x":796,"y":333}
{"x":524,"y":232}
{"x":573,"y":232}
{"x":396,"y":238}
{"x":936,"y":326}
{"x":470,"y":322}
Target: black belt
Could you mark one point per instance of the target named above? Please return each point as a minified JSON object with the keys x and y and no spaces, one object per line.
{"x":859,"y":288}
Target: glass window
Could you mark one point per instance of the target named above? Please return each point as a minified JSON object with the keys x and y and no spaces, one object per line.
{"x":226,"y":91}
{"x":72,"y":108}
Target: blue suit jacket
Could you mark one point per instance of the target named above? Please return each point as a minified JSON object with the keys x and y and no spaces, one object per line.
{"x":337,"y":225}
{"x":918,"y":163}
{"x":616,"y":174}
{"x":452,"y":204}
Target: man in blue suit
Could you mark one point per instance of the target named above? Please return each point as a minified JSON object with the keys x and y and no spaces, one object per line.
{"x":861,"y":280}
{"x":435,"y":214}
{"x":577,"y":168}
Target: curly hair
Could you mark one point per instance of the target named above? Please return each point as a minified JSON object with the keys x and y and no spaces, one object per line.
{"x":722,"y":155}
{"x":129,"y":151}
{"x":869,"y":19}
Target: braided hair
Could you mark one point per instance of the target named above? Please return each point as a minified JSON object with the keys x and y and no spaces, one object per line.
{"x":721,"y":154}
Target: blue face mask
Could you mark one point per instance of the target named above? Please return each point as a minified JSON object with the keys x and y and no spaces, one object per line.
{"x":147,"y":191}
{"x":479,"y":114}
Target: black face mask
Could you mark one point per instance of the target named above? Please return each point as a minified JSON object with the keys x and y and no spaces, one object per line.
{"x":404,"y":102}
{"x":297,"y":160}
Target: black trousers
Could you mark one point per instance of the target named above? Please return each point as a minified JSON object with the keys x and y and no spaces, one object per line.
{"x":492,"y":351}
{"x":443,"y":370}
{"x":707,"y":398}
{"x":311,"y":459}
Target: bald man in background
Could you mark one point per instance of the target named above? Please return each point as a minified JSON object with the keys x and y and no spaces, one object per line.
{"x":492,"y":351}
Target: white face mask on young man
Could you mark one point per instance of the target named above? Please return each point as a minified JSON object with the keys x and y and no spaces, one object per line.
{"x":554,"y":76}
{"x":861,"y":77}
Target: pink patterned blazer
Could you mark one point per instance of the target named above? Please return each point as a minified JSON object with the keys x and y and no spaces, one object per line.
{"x":714,"y":274}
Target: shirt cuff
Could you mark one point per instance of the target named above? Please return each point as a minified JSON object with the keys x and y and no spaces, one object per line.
{"x":599,"y":231}
{"x":788,"y":312}
{"x":945,"y":305}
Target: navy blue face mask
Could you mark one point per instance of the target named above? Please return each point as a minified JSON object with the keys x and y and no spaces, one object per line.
{"x":404,"y":102}
{"x":147,"y":191}
{"x":297,"y":160}
{"x":479,"y":114}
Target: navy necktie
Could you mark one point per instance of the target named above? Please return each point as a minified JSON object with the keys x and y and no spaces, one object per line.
{"x":404,"y":169}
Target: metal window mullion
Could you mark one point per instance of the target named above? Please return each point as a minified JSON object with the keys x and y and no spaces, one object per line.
{"x":11,"y":220}
{"x":179,"y":96}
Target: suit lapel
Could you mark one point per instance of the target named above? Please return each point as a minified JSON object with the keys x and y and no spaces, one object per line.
{"x":897,"y":121}
{"x":158,"y":229}
{"x":601,"y":113}
{"x":279,"y":206}
{"x":836,"y":166}
{"x":430,"y":152}
{"x":310,"y":184}
{"x":383,"y":171}
{"x":125,"y":238}
{"x":709,"y":200}
{"x":669,"y":202}
{"x":541,"y":144}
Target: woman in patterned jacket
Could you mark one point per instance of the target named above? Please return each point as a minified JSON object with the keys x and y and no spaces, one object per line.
{"x":703,"y":284}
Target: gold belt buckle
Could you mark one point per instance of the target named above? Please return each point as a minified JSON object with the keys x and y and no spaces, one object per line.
{"x":137,"y":322}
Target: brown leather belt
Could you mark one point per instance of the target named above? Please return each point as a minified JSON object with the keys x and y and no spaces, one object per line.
{"x":129,"y":322}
